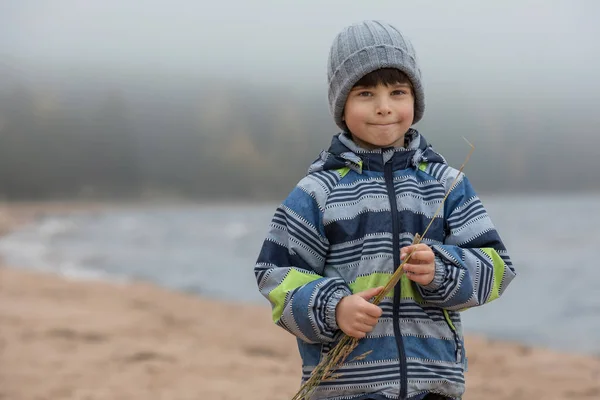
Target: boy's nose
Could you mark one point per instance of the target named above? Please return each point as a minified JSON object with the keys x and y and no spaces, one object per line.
{"x":383,"y":108}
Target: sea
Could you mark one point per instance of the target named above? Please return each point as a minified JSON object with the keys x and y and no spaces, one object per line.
{"x":210,"y":250}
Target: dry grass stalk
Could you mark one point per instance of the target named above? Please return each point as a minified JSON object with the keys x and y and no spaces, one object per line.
{"x":336,"y":356}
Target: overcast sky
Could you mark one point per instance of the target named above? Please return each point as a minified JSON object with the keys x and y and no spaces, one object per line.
{"x":283,"y":40}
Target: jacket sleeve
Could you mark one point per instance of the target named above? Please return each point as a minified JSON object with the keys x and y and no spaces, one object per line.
{"x":472,"y":267}
{"x":290,"y":266}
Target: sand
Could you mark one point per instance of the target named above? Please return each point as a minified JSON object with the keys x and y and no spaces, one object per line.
{"x":71,"y":339}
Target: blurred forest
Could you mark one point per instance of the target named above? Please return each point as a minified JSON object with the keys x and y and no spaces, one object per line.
{"x":99,"y":135}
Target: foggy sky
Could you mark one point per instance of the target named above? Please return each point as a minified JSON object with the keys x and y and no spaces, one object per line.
{"x":509,"y":55}
{"x":472,"y":43}
{"x":514,"y":76}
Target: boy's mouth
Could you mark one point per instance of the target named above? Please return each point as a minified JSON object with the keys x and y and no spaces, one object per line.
{"x":384,"y":125}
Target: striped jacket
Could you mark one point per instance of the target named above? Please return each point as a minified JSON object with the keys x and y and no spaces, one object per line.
{"x":340,"y":231}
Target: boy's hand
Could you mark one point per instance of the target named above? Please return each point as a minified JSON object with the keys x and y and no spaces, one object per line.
{"x":355,"y":315}
{"x":421,"y":266}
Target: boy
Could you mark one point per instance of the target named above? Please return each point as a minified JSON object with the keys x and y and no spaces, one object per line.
{"x":337,"y":238}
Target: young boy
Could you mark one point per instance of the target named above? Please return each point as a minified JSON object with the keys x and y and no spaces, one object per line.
{"x":342,"y":232}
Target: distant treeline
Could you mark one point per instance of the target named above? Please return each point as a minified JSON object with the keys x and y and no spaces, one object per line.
{"x":129,"y":137}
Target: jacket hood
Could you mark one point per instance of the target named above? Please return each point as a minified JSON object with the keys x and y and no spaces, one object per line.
{"x":343,"y":152}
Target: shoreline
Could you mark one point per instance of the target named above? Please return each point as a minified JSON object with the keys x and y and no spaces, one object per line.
{"x":72,"y":339}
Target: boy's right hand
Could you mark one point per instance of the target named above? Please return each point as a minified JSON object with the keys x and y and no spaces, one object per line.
{"x":355,"y":315}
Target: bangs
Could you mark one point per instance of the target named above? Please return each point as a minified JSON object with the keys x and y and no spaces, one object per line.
{"x":384,"y":76}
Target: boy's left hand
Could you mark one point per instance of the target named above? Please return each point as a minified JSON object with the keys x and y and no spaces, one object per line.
{"x":421,"y":266}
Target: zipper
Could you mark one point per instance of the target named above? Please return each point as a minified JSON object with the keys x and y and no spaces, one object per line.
{"x":389,"y":183}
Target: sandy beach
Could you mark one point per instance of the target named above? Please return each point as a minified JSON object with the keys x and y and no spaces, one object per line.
{"x":68,"y":339}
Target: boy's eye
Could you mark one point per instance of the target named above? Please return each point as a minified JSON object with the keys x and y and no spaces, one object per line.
{"x":398,"y":92}
{"x":364,"y":93}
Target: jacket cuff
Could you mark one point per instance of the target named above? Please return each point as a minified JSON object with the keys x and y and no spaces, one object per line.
{"x":332,"y":303}
{"x":438,"y":278}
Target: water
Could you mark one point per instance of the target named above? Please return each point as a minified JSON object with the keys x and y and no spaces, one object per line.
{"x":211,"y":250}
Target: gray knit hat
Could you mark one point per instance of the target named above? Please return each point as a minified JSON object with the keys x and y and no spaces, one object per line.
{"x":363,"y":48}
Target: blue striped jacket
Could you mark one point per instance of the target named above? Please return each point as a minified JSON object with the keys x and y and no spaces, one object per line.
{"x":340,"y":231}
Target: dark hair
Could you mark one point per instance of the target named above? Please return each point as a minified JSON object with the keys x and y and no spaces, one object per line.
{"x":385,"y":76}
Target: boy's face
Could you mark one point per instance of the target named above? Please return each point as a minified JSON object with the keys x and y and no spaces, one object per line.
{"x":379,"y":116}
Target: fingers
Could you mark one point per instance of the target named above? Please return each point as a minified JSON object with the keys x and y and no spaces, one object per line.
{"x":360,"y":326}
{"x":359,"y":330}
{"x":356,"y":316}
{"x":422,"y":257}
{"x":419,"y":269}
{"x":373,"y":311}
{"x":370,"y":293}
{"x":421,"y":253}
{"x":368,"y":308}
{"x":365,"y":328}
{"x":416,"y":247}
{"x":356,"y":334}
{"x":422,"y":274}
{"x":368,"y":320}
